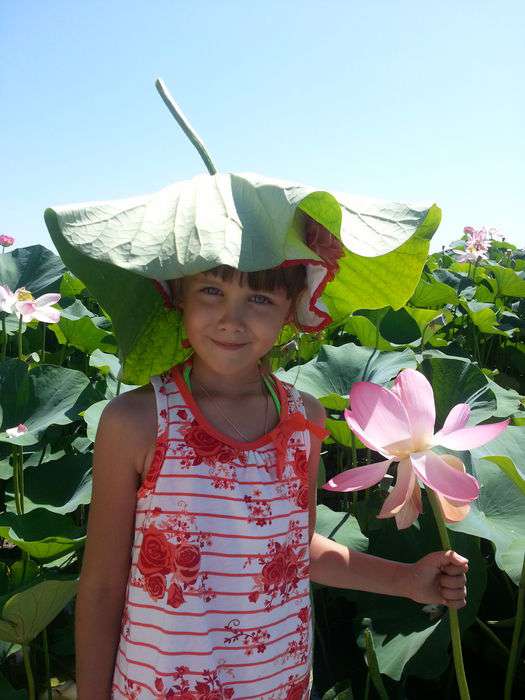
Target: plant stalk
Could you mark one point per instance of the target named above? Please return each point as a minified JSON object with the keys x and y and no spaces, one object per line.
{"x":515,"y":644}
{"x":29,"y":673}
{"x":4,"y":339}
{"x":453,"y":614}
{"x":47,"y":665}
{"x":20,"y":338}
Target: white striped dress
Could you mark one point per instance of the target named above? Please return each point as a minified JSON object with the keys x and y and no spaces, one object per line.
{"x":217,"y":602}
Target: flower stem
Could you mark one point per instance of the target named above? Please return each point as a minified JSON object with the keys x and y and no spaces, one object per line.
{"x":513,"y":658}
{"x":4,"y":339}
{"x":20,"y":338}
{"x":453,"y":614}
{"x":47,"y":665}
{"x":29,"y":672}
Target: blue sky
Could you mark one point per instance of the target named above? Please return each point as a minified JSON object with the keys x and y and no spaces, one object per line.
{"x":405,"y":100}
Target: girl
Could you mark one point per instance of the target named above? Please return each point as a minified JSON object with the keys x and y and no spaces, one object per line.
{"x":201,"y":539}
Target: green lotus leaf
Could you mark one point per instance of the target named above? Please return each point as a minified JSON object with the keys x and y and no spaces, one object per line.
{"x":59,"y":485}
{"x":36,"y":268}
{"x":71,"y":286}
{"x":7,"y":692}
{"x":507,"y":282}
{"x":340,"y":527}
{"x":463,"y":285}
{"x":484,"y":317}
{"x":92,"y":418}
{"x":408,"y":638}
{"x":40,"y":397}
{"x":247,"y":221}
{"x":508,"y":401}
{"x":42,"y":534}
{"x":340,"y":691}
{"x":342,"y":434}
{"x":77,"y":327}
{"x":431,"y":293}
{"x":367,"y":334}
{"x":335,"y":369}
{"x":399,"y":327}
{"x":456,"y":380}
{"x":498,"y":514}
{"x":26,"y":613}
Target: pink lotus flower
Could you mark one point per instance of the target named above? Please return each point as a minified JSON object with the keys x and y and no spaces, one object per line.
{"x":23,"y":304}
{"x":399,"y":424}
{"x":477,"y":245}
{"x":6,"y":241}
{"x":17,"y":430}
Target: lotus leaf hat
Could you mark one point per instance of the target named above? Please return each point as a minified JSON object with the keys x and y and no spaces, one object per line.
{"x":358,"y":252}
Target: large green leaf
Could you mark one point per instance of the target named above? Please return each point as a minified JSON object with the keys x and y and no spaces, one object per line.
{"x":77,"y":327}
{"x":433,"y":293}
{"x":340,"y":527}
{"x":456,"y":380}
{"x":41,"y":396}
{"x":507,"y":282}
{"x":244,"y":220}
{"x":42,"y":534}
{"x":367,"y":333}
{"x":498,"y":514}
{"x":36,"y":268}
{"x":26,"y":613}
{"x":59,"y":485}
{"x":335,"y":369}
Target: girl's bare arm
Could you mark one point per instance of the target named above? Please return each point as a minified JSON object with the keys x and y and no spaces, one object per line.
{"x":107,"y":556}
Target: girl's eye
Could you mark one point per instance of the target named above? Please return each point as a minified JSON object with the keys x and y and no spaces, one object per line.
{"x":261,"y":299}
{"x":214,"y":291}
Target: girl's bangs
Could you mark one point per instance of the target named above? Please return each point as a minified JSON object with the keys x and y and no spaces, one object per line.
{"x":291,"y":278}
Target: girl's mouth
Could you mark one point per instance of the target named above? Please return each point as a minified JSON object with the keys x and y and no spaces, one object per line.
{"x":229,"y":346}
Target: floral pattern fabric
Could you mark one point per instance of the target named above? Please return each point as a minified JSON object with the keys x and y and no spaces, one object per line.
{"x":217,"y":602}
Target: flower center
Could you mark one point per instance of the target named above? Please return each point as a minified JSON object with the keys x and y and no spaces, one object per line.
{"x":24,"y":295}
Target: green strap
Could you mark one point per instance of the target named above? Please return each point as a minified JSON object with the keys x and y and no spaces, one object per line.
{"x":187,"y":372}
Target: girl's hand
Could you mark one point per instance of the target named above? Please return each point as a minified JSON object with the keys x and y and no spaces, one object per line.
{"x":439,"y":578}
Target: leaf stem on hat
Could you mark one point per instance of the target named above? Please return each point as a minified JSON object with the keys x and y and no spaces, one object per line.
{"x":185,"y":125}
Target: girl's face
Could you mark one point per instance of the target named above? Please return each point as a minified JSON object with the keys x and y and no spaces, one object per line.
{"x":231,"y":327}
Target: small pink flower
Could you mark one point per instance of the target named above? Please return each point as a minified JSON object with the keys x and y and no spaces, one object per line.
{"x":23,"y":304}
{"x":477,"y":245}
{"x":399,"y":424}
{"x":17,"y":431}
{"x":6,"y":241}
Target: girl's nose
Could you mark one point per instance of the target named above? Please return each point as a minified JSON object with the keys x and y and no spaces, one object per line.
{"x":232,"y":317}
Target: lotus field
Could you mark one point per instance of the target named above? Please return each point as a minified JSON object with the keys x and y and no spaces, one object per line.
{"x":426,"y":411}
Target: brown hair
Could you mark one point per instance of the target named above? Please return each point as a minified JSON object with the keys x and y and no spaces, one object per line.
{"x":291,"y":278}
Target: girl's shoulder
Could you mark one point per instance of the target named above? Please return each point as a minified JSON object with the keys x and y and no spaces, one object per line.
{"x":136,"y":411}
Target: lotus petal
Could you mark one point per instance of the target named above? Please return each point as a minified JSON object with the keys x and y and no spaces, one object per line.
{"x":412,"y":508}
{"x":415,"y":393}
{"x":380,"y":414}
{"x":402,"y":491}
{"x":470,"y":438}
{"x":359,"y":477}
{"x":436,"y":473}
{"x":456,"y":419}
{"x":360,"y":433}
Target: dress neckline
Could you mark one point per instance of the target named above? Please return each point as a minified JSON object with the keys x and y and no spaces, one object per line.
{"x":201,"y":419}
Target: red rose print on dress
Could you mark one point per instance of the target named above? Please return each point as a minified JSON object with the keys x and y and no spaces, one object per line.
{"x":208,"y":449}
{"x":280,"y":575}
{"x":156,"y":464}
{"x":297,"y":690}
{"x":208,"y":688}
{"x":155,"y":553}
{"x":187,"y":559}
{"x":175,"y":596}
{"x":155,"y":585}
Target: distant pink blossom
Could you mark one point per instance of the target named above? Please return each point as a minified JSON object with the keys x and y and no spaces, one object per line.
{"x":17,"y":431}
{"x":23,"y":304}
{"x":6,"y":241}
{"x":399,"y":424}
{"x":476,"y":246}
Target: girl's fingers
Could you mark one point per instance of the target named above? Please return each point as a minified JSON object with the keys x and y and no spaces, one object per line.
{"x":453,"y":581}
{"x":453,"y":570}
